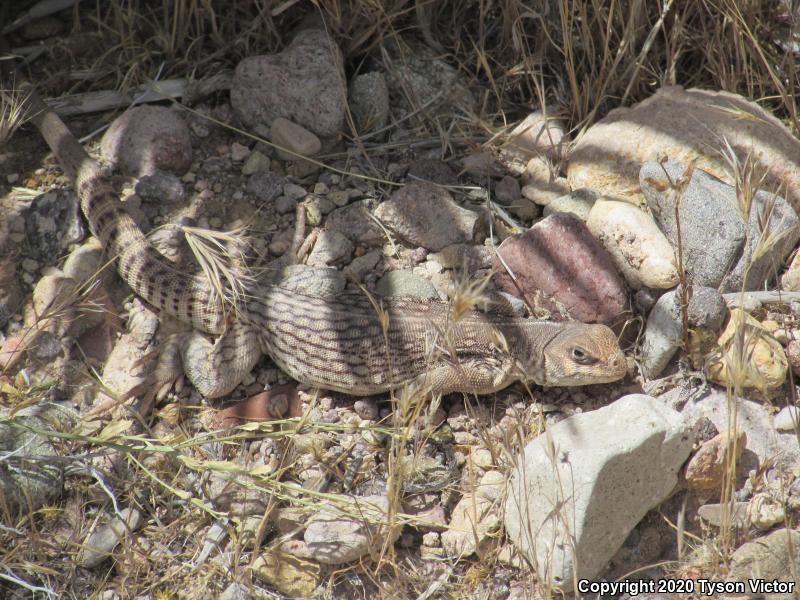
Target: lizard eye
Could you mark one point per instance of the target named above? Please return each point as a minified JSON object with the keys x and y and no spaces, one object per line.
{"x":580,"y":356}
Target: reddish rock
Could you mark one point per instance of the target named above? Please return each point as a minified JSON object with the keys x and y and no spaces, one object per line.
{"x":705,"y":470}
{"x":146,"y":139}
{"x":266,"y":406}
{"x":557,"y":263}
{"x":12,"y":351}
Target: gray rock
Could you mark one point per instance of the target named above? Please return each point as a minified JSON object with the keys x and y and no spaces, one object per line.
{"x":751,"y":417}
{"x":420,"y":78}
{"x":331,"y":248}
{"x":285,"y":205}
{"x":369,"y":101}
{"x":32,"y":472}
{"x":773,"y":558}
{"x":335,"y":536}
{"x":662,"y":335}
{"x":507,"y":191}
{"x":706,"y":308}
{"x":266,"y":186}
{"x":425,"y":215}
{"x":255,"y":163}
{"x":355,"y":221}
{"x":570,"y":512}
{"x":405,"y":283}
{"x":146,"y":139}
{"x":361,"y":265}
{"x":715,"y":243}
{"x":161,"y":187}
{"x":52,"y":223}
{"x":301,"y":84}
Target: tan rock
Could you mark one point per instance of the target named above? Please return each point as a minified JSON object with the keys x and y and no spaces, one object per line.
{"x":684,"y":125}
{"x":640,"y":251}
{"x":289,"y":570}
{"x":294,"y":138}
{"x":763,"y":364}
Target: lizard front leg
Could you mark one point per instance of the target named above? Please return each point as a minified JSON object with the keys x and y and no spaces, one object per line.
{"x":214,"y":368}
{"x":473,"y":375}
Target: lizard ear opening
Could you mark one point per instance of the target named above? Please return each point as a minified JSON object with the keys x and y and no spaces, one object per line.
{"x":581,"y":356}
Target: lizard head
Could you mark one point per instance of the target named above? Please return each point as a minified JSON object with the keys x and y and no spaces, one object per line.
{"x":580,"y":354}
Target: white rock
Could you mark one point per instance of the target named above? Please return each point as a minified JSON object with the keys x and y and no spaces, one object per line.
{"x":575,"y":495}
{"x":788,"y":418}
{"x":662,"y":335}
{"x":641,"y":252}
{"x":474,"y":519}
{"x":535,"y":134}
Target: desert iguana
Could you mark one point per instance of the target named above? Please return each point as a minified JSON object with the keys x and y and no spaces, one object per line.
{"x":349,"y":342}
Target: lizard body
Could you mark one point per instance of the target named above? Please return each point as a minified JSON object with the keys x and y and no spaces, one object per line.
{"x":349,"y":342}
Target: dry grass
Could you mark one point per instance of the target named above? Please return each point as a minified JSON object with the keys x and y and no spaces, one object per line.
{"x":578,"y":59}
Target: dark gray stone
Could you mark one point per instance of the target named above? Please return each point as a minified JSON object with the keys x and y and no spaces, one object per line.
{"x":714,"y":238}
{"x":52,"y":223}
{"x":707,"y":308}
{"x":162,"y":187}
{"x":266,"y":186}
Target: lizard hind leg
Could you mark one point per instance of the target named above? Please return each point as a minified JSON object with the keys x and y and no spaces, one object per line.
{"x":214,"y":368}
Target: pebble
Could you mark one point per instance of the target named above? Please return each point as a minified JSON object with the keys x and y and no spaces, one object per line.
{"x":355,"y":221}
{"x":606,"y":484}
{"x":366,"y":408}
{"x":558,"y":262}
{"x":473,"y":521}
{"x":160,"y":187}
{"x":52,"y":223}
{"x":764,"y":511}
{"x":331,"y":248}
{"x":507,"y":191}
{"x":239,"y":152}
{"x":641,"y":252}
{"x":148,"y":138}
{"x":292,"y":139}
{"x":256,"y":163}
{"x":302,"y":84}
{"x":285,"y":205}
{"x":289,"y":568}
{"x":482,"y":458}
